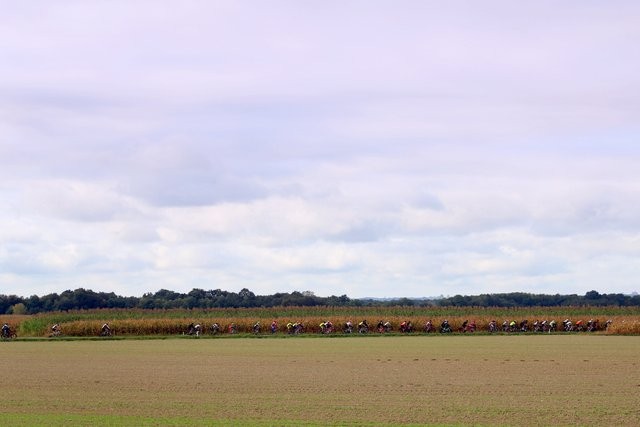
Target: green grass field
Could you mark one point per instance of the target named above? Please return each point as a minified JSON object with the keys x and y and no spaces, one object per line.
{"x":383,"y":380}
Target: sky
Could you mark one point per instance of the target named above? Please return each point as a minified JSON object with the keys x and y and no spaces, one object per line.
{"x":366,"y":148}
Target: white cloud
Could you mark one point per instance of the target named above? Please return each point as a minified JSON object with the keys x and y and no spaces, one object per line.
{"x":357,"y":148}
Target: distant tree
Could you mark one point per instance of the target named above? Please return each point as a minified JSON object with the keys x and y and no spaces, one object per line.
{"x":86,"y":300}
{"x":247,"y":298}
{"x":166,"y":295}
{"x":34,"y":304}
{"x":592,"y":295}
{"x":82,"y":298}
{"x":8,"y":301}
{"x":18,"y":308}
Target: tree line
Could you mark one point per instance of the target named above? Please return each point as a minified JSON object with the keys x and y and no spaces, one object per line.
{"x":86,"y":299}
{"x":522,"y":299}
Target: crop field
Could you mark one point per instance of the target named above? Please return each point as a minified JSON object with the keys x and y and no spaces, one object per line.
{"x":624,"y":320}
{"x":361,"y":380}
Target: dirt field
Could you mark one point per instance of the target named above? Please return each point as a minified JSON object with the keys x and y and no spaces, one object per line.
{"x":425,"y":380}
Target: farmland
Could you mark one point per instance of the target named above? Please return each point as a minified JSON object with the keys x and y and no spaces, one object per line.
{"x":625,"y":320}
{"x":395,"y":380}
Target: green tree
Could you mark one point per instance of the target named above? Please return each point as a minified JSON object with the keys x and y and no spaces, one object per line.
{"x":19,"y":308}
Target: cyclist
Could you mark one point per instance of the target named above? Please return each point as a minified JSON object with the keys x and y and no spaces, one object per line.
{"x":106,"y":330}
{"x":55,"y":330}
{"x":428,"y":327}
{"x":348,"y":327}
{"x":215,"y":328}
{"x":445,"y":328}
{"x":329,"y":326}
{"x":363,"y":327}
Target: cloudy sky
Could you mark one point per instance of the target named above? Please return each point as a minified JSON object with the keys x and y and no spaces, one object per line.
{"x":367,"y":148}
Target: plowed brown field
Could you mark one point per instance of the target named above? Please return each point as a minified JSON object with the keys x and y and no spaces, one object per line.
{"x":394,"y":380}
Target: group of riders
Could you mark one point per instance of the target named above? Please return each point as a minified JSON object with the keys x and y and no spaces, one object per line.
{"x":567,"y":325}
{"x":295,"y":328}
{"x":327,"y":327}
{"x":512,"y":326}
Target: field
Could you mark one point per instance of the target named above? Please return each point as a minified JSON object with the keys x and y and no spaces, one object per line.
{"x":625,"y":320}
{"x":374,"y":380}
